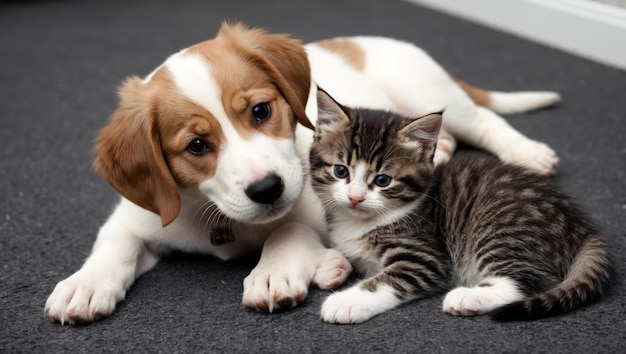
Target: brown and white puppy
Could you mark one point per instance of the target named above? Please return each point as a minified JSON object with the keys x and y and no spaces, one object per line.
{"x":205,"y":155}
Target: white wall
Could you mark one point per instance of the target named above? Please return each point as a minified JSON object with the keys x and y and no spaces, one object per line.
{"x":590,"y":29}
{"x":619,"y":3}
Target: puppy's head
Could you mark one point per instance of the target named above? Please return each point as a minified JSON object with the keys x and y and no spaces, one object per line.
{"x":217,"y":118}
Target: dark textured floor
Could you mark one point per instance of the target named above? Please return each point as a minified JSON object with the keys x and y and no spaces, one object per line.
{"x":60,"y":64}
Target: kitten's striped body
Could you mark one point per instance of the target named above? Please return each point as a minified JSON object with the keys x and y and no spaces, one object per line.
{"x":504,"y":239}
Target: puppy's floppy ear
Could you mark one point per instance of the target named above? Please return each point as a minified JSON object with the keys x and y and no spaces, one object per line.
{"x":291,"y":61}
{"x":129,"y":155}
{"x":283,"y":58}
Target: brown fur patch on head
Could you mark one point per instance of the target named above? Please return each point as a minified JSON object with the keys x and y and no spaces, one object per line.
{"x":351,"y":52}
{"x":243,"y":86}
{"x":279,"y":59}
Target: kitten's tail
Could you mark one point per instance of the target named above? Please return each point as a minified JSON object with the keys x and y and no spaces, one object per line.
{"x":587,"y":279}
{"x":509,"y":102}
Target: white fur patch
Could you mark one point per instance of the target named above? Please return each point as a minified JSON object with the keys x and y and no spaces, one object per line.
{"x":343,"y":82}
{"x":149,"y":76}
{"x":194,"y":79}
{"x":227,"y":187}
{"x":478,"y":300}
{"x":515,"y":102}
{"x":356,"y":305}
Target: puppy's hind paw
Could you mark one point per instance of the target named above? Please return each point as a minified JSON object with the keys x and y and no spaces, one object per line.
{"x":445,"y":148}
{"x":441,"y":156}
{"x":534,"y":155}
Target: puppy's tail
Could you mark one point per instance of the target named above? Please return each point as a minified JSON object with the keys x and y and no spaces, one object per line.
{"x":509,"y":102}
{"x":587,"y":280}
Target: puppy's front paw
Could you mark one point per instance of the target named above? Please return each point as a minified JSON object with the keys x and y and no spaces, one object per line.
{"x":83,"y":298}
{"x":349,"y":306}
{"x":333,"y":270}
{"x":270,"y":289}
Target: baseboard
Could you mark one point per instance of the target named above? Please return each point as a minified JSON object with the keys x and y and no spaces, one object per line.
{"x":592,"y":30}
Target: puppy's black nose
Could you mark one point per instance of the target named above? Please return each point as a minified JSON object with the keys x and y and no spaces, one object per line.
{"x":266,"y":190}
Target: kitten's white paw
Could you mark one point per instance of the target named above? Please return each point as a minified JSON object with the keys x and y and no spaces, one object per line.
{"x":534,"y":155}
{"x":466,"y":302}
{"x":273,"y":288}
{"x":350,"y":306}
{"x":82,"y":298}
{"x":333,"y":270}
{"x":478,"y":300}
{"x":356,"y":305}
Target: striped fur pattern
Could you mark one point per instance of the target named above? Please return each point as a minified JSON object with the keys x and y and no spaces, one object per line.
{"x":502,"y":240}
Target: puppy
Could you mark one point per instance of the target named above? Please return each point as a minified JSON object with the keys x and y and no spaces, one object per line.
{"x":209,"y":153}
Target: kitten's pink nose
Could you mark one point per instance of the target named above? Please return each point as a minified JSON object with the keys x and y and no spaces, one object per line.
{"x":356,"y":192}
{"x":355,"y":200}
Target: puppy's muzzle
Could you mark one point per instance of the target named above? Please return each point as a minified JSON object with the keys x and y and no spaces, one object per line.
{"x":266,"y":190}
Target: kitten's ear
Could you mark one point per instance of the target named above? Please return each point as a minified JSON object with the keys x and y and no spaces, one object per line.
{"x":329,"y":113}
{"x":424,"y":132}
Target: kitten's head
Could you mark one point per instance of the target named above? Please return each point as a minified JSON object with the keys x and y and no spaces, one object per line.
{"x":370,"y":163}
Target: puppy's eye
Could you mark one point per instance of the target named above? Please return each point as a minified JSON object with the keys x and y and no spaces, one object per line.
{"x":261,"y":112}
{"x":199,"y":147}
{"x":382,"y":180}
{"x":341,"y":171}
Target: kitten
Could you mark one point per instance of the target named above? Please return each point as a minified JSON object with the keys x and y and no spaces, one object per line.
{"x":504,"y":239}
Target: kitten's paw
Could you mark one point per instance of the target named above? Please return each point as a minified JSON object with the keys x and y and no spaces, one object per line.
{"x":356,"y":305}
{"x":534,"y":155}
{"x":345,"y":307}
{"x":333,"y":270}
{"x":83,"y":298}
{"x":494,"y":292}
{"x":464,"y":302}
{"x":270,"y":289}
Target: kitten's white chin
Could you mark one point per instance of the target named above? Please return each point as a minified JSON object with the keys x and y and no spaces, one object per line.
{"x":359,"y":212}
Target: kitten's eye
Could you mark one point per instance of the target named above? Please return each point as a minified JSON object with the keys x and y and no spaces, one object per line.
{"x":199,"y":147}
{"x":382,"y":180}
{"x":341,"y":171}
{"x":261,"y":112}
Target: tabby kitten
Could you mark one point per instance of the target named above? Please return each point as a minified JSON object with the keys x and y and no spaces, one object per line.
{"x":504,"y":239}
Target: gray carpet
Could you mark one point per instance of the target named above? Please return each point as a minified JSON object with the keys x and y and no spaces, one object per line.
{"x":60,"y":64}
